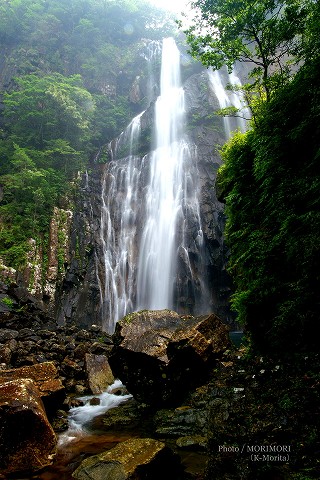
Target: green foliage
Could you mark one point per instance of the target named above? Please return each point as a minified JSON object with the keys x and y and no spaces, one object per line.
{"x":270,"y":181}
{"x":8,"y":302}
{"x":67,"y":67}
{"x":265,"y":33}
{"x":48,"y":108}
{"x":47,"y":121}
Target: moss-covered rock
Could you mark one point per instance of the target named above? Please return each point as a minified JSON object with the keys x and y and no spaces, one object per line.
{"x":135,"y":459}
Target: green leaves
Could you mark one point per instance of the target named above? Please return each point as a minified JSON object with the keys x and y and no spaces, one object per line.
{"x":264,"y":33}
{"x":48,"y":108}
{"x":48,"y":119}
{"x":271,"y":185}
{"x":67,"y":68}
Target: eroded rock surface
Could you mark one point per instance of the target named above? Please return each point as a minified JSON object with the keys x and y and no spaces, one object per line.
{"x":160,"y":355}
{"x":45,"y":378}
{"x":99,"y":373}
{"x":27,"y":440}
{"x":29,"y":337}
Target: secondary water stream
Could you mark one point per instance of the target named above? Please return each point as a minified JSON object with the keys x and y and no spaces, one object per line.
{"x":84,"y":437}
{"x":219,"y":80}
{"x":87,"y":435}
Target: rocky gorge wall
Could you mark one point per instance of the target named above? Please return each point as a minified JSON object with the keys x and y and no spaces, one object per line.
{"x":78,"y":297}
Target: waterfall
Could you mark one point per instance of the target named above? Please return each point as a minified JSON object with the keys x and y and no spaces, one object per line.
{"x":118,"y":225}
{"x":151,"y":53}
{"x":218,"y":80}
{"x":150,"y":214}
{"x":238,"y":101}
{"x":164,"y":194}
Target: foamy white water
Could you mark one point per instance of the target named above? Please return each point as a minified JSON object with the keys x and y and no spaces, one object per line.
{"x":81,"y":416}
{"x":118,"y":224}
{"x":147,"y":206}
{"x":156,"y":266}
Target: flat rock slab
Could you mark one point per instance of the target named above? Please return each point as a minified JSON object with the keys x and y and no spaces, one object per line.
{"x":27,"y":440}
{"x":135,"y":459}
{"x":160,"y":355}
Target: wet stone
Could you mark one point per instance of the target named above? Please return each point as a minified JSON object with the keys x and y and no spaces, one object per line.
{"x":7,"y":334}
{"x":27,"y":440}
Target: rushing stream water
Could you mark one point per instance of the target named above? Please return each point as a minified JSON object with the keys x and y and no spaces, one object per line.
{"x":80,"y":417}
{"x":86,"y":436}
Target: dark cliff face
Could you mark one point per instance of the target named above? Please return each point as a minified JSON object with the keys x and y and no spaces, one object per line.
{"x":206,"y":130}
{"x":79,"y":297}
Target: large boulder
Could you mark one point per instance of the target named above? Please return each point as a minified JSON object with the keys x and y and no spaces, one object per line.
{"x":135,"y":459}
{"x":27,"y":440}
{"x":160,"y":355}
{"x":99,"y":372}
{"x":45,"y":377}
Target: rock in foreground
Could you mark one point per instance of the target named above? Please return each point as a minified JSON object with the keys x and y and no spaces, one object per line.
{"x":45,"y":377}
{"x":99,"y":373}
{"x":160,"y":356}
{"x":135,"y":459}
{"x":27,"y":440}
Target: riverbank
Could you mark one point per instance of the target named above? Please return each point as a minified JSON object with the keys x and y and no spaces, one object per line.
{"x":252,"y":417}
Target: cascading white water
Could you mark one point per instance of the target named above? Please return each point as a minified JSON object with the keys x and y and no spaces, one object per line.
{"x":151,"y":53}
{"x":218,"y":81}
{"x":238,"y":101}
{"x":81,"y":416}
{"x":147,"y":206}
{"x":156,"y":267}
{"x":119,"y":199}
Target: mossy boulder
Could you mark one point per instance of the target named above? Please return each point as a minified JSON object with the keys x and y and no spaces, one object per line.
{"x":135,"y":459}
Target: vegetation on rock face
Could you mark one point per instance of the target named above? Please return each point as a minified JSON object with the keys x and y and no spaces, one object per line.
{"x":271,"y":186}
{"x":271,"y":181}
{"x":270,"y":178}
{"x":66,"y":72}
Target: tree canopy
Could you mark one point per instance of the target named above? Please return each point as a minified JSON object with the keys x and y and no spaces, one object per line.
{"x":267,"y":34}
{"x":44,"y":109}
{"x":66,"y":69}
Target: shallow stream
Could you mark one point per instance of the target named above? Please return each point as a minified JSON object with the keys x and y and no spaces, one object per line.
{"x":87,"y":435}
